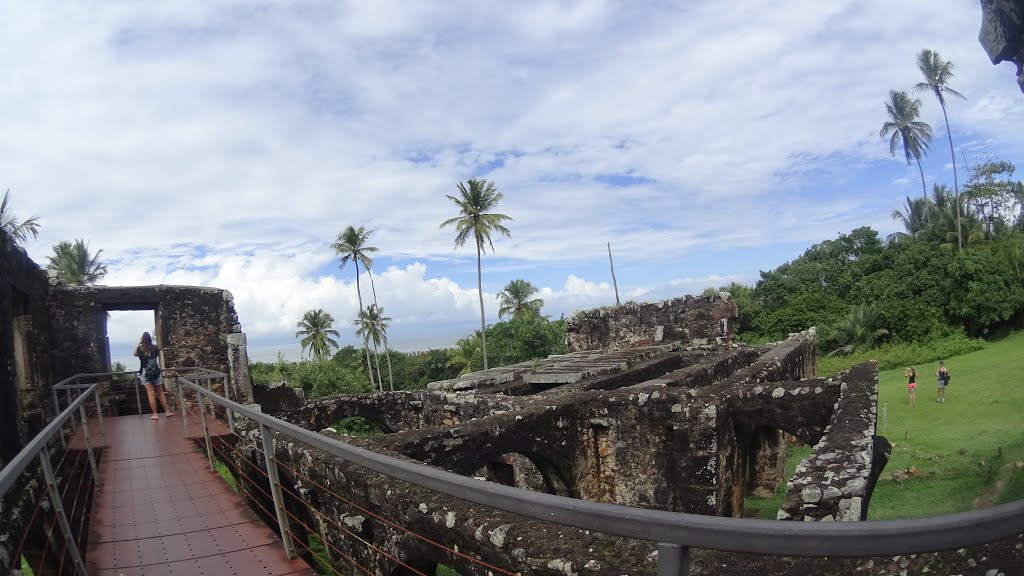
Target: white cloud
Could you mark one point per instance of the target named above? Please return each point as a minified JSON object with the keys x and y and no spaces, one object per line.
{"x":225,"y":143}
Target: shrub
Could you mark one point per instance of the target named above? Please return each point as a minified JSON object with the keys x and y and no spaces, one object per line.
{"x":896,"y":355}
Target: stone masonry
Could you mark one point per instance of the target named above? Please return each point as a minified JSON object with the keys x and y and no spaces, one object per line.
{"x":1002,"y":33}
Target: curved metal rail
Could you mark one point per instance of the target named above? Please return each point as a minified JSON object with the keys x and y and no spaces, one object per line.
{"x":674,"y":532}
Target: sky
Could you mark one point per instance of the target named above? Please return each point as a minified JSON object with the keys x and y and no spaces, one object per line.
{"x":227,"y":144}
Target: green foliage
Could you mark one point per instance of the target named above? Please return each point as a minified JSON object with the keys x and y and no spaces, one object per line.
{"x":517,"y":300}
{"x":467,"y":356}
{"x":225,"y":473}
{"x":321,"y":561}
{"x":525,"y":337}
{"x":357,"y":426}
{"x":26,"y":570}
{"x":902,"y":354}
{"x":988,"y":289}
{"x":443,"y":570}
{"x":19,"y":231}
{"x":316,"y":331}
{"x":74,"y":265}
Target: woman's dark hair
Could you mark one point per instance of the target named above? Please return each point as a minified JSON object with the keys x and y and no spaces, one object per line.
{"x":147,"y":344}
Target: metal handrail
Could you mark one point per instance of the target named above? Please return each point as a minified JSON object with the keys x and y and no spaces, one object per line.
{"x":675,"y":532}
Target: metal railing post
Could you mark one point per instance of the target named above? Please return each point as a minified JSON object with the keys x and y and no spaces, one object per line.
{"x":231,"y":415}
{"x":58,"y":508}
{"x":88,"y":442}
{"x":99,"y":411}
{"x":56,"y":407}
{"x":267,"y":436}
{"x":673,"y":560}
{"x":137,"y":383}
{"x":209,"y":447}
{"x":67,"y":396}
{"x":181,"y":405}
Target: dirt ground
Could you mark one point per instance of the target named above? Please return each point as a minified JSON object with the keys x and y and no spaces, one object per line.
{"x":1003,"y":557}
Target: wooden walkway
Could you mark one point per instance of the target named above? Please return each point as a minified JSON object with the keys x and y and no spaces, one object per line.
{"x":158,"y":509}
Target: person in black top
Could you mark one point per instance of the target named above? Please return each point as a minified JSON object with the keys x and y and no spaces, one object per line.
{"x":149,"y":373}
{"x":911,"y":374}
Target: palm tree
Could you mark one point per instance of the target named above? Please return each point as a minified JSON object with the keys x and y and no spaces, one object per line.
{"x":466,"y":355}
{"x":904,"y":128}
{"x":937,"y":73}
{"x":316,"y":330}
{"x":474,"y":220}
{"x":73,"y":264}
{"x":373,"y":326}
{"x":857,"y":331}
{"x":351,"y":246}
{"x":515,"y":300}
{"x":913,"y":217}
{"x":20,"y":231}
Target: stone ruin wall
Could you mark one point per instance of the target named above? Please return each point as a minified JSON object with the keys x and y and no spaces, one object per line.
{"x":194,"y":326}
{"x":24,"y":348}
{"x":836,"y":480}
{"x":688,"y":319}
{"x":1002,"y":33}
{"x":710,"y":424}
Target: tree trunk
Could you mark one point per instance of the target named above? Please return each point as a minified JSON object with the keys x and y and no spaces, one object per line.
{"x":924,"y":189}
{"x":956,"y":181}
{"x":366,"y":347}
{"x":480,"y":291}
{"x":387,"y":351}
{"x":614,"y":281}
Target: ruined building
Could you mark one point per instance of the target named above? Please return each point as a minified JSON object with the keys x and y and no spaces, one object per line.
{"x":654,"y":406}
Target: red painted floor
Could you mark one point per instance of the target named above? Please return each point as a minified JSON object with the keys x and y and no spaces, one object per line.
{"x":158,"y":509}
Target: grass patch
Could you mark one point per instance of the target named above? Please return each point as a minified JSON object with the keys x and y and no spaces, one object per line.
{"x":357,"y":426}
{"x":443,"y":570}
{"x":963,"y":452}
{"x":899,"y":356}
{"x":225,"y":473}
{"x":26,"y":570}
{"x":320,"y":558}
{"x":769,"y":507}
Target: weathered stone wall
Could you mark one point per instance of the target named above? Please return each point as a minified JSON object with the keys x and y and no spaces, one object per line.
{"x":313,"y":481}
{"x":24,"y":331}
{"x":1002,"y":33}
{"x":689,"y":319}
{"x":195,"y":326}
{"x":835,"y":482}
{"x":24,"y":383}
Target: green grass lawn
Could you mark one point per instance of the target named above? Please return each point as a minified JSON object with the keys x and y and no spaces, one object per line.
{"x":983,"y":415}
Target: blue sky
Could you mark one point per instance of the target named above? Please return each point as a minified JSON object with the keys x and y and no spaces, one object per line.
{"x":227,"y":143}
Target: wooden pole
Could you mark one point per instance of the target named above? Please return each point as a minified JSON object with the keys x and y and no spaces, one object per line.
{"x":612,"y":264}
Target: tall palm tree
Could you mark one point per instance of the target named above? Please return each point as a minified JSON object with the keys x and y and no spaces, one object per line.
{"x":20,"y":231}
{"x":316,"y":331}
{"x":73,"y":264}
{"x":515,"y":300}
{"x":937,"y":73}
{"x":474,"y":220}
{"x":904,"y":128}
{"x":372,"y":326}
{"x":351,"y":246}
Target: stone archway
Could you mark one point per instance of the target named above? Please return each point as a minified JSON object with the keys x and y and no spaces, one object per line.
{"x":526,"y":471}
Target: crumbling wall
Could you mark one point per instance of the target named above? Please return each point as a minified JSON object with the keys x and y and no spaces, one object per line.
{"x":689,"y":319}
{"x":342,"y":493}
{"x":195,"y":326}
{"x":1002,"y":33}
{"x":24,"y":366}
{"x":836,"y":480}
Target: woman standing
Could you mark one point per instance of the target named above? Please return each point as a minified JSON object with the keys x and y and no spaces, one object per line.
{"x":149,"y":373}
{"x":943,"y":375}
{"x":911,"y":374}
